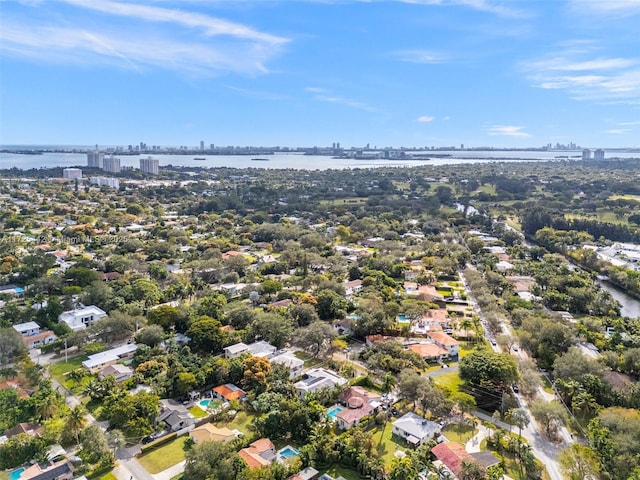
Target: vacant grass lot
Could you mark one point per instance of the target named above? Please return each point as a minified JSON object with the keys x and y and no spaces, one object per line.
{"x":242,"y":422}
{"x":386,"y":444}
{"x":460,"y":433}
{"x":450,"y":381}
{"x":336,"y":471}
{"x":164,"y":457}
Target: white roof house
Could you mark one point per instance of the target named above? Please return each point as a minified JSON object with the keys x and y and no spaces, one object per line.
{"x":415,"y":429}
{"x":103,"y":359}
{"x":27,"y":329}
{"x":317,"y":379}
{"x":81,"y":318}
{"x":289,"y":360}
{"x":256,"y":349}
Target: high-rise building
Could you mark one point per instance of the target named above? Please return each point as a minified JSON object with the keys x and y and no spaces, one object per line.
{"x":201,"y":144}
{"x":150,"y":165}
{"x":71,"y":173}
{"x":94,"y":159}
{"x":111,"y":165}
{"x":598,"y":154}
{"x":586,"y":154}
{"x":105,"y":181}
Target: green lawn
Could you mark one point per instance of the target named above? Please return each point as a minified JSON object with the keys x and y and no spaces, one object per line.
{"x":197,"y":412}
{"x":4,"y":476}
{"x":385,"y":443}
{"x":460,"y":433}
{"x":109,"y":476}
{"x":164,"y":457}
{"x":60,"y":369}
{"x":242,"y":423}
{"x":336,"y":470}
{"x":450,"y":381}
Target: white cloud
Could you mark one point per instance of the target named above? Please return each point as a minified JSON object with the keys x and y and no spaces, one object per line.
{"x":601,"y":79}
{"x":425,"y":119}
{"x":623,"y":124}
{"x":418,"y":56}
{"x":599,"y":7}
{"x":192,"y":43}
{"x":617,"y":131}
{"x":481,"y":5}
{"x":323,"y":95}
{"x":507,"y":131}
{"x":210,"y":25}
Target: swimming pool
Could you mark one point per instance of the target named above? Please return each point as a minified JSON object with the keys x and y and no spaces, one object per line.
{"x":333,"y":411}
{"x":204,"y":404}
{"x":15,"y":475}
{"x":288,"y":453}
{"x":402,"y":318}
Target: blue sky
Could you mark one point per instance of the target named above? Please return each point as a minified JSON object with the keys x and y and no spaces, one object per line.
{"x":314,"y":72}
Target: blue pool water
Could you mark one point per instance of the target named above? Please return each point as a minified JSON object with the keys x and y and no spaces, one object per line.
{"x":288,"y":452}
{"x":204,"y":403}
{"x":402,"y":318}
{"x":333,"y":411}
{"x":15,"y":475}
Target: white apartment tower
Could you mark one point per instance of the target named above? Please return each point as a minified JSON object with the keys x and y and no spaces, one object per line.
{"x":598,"y":154}
{"x":105,"y":181}
{"x":111,"y":165}
{"x":586,"y":154}
{"x":150,"y":165}
{"x":94,"y":159}
{"x":71,"y":173}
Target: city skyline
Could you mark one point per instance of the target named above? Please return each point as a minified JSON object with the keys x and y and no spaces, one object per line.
{"x":309,"y":72}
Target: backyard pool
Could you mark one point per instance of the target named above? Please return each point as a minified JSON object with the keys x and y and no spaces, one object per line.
{"x":15,"y":475}
{"x":204,"y":404}
{"x":402,"y":318}
{"x":287,"y":453}
{"x":333,"y":411}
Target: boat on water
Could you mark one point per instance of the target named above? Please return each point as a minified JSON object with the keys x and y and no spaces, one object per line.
{"x":200,"y":159}
{"x":259,"y":159}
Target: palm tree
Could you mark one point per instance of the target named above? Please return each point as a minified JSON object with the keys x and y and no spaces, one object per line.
{"x":76,"y":421}
{"x":388,"y":382}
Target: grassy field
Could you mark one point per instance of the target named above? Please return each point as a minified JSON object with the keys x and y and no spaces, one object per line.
{"x":450,"y":381}
{"x":60,"y":370}
{"x":242,"y":423}
{"x":164,"y":457}
{"x":345,"y":201}
{"x":109,"y":476}
{"x":336,"y":470}
{"x":197,"y":412}
{"x":460,"y":433}
{"x":384,"y":443}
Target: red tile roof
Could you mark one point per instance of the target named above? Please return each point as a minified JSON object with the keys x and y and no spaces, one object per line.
{"x":452,"y":454}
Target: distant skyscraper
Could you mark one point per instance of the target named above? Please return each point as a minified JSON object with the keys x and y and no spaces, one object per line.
{"x":586,"y":154}
{"x":111,"y":165}
{"x":201,"y":144}
{"x":150,"y":165}
{"x":94,"y":159}
{"x":71,"y":173}
{"x":598,"y":154}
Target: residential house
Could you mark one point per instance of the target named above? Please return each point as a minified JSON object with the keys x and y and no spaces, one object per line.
{"x":210,"y":433}
{"x":343,"y":327}
{"x":228,"y":392}
{"x":446,"y":342}
{"x":50,"y":471}
{"x":259,"y":453}
{"x":98,"y":361}
{"x":415,"y":429}
{"x":503,"y":266}
{"x":317,"y":379}
{"x":32,"y":429}
{"x":121,"y":372}
{"x":81,"y":318}
{"x":371,"y":339}
{"x":22,"y":393}
{"x":429,"y":351}
{"x":359,"y":403}
{"x":452,"y":455}
{"x":175,"y":416}
{"x":308,"y":473}
{"x":233,"y":289}
{"x":27,"y":329}
{"x":353,"y":287}
{"x":255,"y":349}
{"x":32,"y":336}
{"x":289,"y":360}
